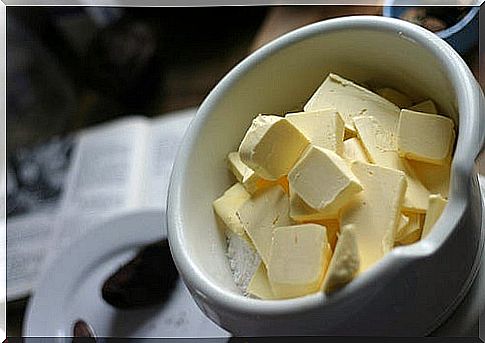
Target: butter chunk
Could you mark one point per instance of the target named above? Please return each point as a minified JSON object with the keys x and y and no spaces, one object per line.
{"x":262,"y":213}
{"x":323,"y":128}
{"x":300,"y":211}
{"x":436,"y":206}
{"x":227,"y":205}
{"x":345,"y":262}
{"x":425,"y":137}
{"x":426,"y":106}
{"x":352,"y":100}
{"x":271,"y":146}
{"x":353,"y":150}
{"x":245,"y":175}
{"x":411,"y":232}
{"x":377,"y":144}
{"x":375,"y":212}
{"x":333,"y":229}
{"x":323,"y":180}
{"x":403,"y":222}
{"x":259,"y":286}
{"x":298,"y":260}
{"x":436,"y":178}
{"x":396,"y":97}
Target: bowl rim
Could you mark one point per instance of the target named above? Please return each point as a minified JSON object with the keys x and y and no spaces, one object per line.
{"x":462,"y":168}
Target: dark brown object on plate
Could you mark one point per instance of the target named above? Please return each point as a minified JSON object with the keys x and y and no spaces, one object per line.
{"x":82,"y":332}
{"x":145,"y":280}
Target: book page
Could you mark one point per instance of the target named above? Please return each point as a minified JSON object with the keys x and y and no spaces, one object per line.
{"x":106,"y":178}
{"x":35,"y":178}
{"x":166,"y":134}
{"x":27,"y":241}
{"x":106,"y":167}
{"x":115,"y":168}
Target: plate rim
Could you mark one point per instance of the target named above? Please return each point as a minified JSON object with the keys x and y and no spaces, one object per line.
{"x":125,"y":235}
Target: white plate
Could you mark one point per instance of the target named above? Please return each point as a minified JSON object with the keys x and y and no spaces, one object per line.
{"x":71,"y":288}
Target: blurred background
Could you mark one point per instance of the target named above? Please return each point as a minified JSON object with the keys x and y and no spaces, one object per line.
{"x":73,"y":67}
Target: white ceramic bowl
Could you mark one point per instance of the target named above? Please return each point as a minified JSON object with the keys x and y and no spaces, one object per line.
{"x":410,"y":291}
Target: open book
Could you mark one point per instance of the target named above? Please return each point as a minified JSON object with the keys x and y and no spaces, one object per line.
{"x":114,"y":168}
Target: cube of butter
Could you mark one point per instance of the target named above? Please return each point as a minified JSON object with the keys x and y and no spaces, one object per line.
{"x":436,"y":206}
{"x":426,"y":106}
{"x":323,"y":128}
{"x":378,"y":145}
{"x":323,"y":180}
{"x":262,"y":213}
{"x":333,"y":229}
{"x":375,"y":212}
{"x":227,"y":205}
{"x":353,"y":150}
{"x":300,"y":211}
{"x":298,"y":260}
{"x":425,"y":137}
{"x":403,"y":222}
{"x":396,"y":97}
{"x":352,"y":100}
{"x":245,"y":175}
{"x":436,"y":178}
{"x":345,"y":262}
{"x":259,"y":285}
{"x":411,"y":232}
{"x":271,"y":146}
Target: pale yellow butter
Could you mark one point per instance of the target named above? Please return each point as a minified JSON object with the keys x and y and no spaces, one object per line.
{"x":411,"y":232}
{"x":245,"y":175}
{"x":352,"y":100}
{"x":354,"y":151}
{"x":300,"y":211}
{"x":259,"y":285}
{"x":227,"y":205}
{"x":377,"y":144}
{"x":323,"y":128}
{"x":271,"y":146}
{"x":426,"y":106}
{"x":323,"y":180}
{"x":375,"y":212}
{"x":436,"y":206}
{"x":345,"y":262}
{"x":403,"y":222}
{"x":333,"y":229}
{"x":425,"y":137}
{"x":436,"y":178}
{"x":298,"y":260}
{"x":399,"y":99}
{"x":260,"y":214}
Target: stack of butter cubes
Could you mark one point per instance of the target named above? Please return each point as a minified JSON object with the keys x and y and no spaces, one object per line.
{"x":323,"y":194}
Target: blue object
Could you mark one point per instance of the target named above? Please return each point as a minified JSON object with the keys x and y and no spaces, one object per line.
{"x":462,"y":36}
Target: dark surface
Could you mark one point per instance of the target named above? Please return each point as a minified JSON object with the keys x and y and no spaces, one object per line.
{"x":65,"y":71}
{"x":145,"y":280}
{"x":435,"y":18}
